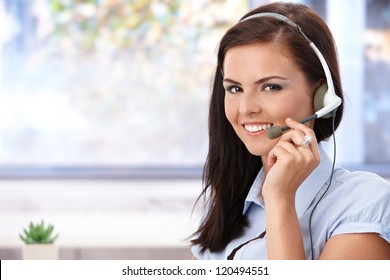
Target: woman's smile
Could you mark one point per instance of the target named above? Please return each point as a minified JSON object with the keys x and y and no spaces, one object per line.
{"x":256,"y":128}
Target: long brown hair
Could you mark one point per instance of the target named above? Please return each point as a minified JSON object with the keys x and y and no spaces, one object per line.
{"x":230,"y":169}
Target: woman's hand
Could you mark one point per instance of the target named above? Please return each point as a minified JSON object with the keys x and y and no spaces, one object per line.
{"x":290,"y":162}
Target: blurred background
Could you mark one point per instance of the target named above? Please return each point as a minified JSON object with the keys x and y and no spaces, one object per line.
{"x":103,"y":115}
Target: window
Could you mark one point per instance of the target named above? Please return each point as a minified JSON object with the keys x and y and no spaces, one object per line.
{"x":361,"y":30}
{"x":377,"y":83}
{"x":118,"y":85}
{"x":108,"y":83}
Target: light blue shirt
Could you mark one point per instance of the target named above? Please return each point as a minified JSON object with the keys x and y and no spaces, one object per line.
{"x":356,"y":202}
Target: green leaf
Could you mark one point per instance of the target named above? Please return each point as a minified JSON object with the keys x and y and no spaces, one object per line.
{"x":38,"y":233}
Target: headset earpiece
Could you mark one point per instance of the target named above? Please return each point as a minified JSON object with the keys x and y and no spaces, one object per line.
{"x":319,"y":99}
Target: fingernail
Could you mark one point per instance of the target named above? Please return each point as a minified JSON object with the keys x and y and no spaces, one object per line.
{"x":288,"y":120}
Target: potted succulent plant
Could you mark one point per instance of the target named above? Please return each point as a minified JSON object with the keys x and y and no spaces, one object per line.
{"x":39,"y":242}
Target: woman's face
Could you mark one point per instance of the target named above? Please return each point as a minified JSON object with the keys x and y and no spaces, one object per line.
{"x":263,"y":86}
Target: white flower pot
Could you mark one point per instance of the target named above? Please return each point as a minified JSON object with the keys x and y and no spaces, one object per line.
{"x":40,"y":252}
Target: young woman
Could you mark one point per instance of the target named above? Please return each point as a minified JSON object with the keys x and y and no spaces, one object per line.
{"x":282,"y":198}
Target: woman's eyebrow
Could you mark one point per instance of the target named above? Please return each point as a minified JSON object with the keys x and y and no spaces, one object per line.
{"x":265,"y":79}
{"x":260,"y":81}
{"x":227,"y":80}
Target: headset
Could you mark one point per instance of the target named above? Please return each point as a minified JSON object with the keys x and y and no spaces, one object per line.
{"x":325,"y":98}
{"x":325,"y":104}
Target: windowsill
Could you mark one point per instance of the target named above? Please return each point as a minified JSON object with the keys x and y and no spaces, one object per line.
{"x":102,"y":215}
{"x":137,"y":173}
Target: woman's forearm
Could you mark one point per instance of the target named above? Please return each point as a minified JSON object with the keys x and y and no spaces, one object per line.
{"x":284,"y":237}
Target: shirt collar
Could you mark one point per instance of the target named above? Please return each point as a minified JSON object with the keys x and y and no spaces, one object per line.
{"x":254,"y":195}
{"x":306,"y":193}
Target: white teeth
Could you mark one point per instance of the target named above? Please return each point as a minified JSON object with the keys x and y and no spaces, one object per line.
{"x":256,"y":127}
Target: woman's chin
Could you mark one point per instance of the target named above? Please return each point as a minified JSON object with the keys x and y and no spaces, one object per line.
{"x":257,"y":151}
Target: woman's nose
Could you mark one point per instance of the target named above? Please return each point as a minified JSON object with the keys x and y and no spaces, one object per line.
{"x":249,"y":104}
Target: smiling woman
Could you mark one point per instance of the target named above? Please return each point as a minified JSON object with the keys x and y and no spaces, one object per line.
{"x":283,"y":197}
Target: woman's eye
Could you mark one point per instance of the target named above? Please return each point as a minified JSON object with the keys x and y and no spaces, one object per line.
{"x":272,"y":87}
{"x":233,"y":89}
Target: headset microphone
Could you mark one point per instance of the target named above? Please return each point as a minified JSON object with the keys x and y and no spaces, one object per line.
{"x":277,"y":131}
{"x":325,"y":98}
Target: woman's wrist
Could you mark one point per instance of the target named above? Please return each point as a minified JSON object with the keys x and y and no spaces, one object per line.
{"x":278,"y":196}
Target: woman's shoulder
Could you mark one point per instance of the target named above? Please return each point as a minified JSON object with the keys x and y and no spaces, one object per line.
{"x":361,"y":182}
{"x":357,"y":202}
{"x":359,"y":193}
